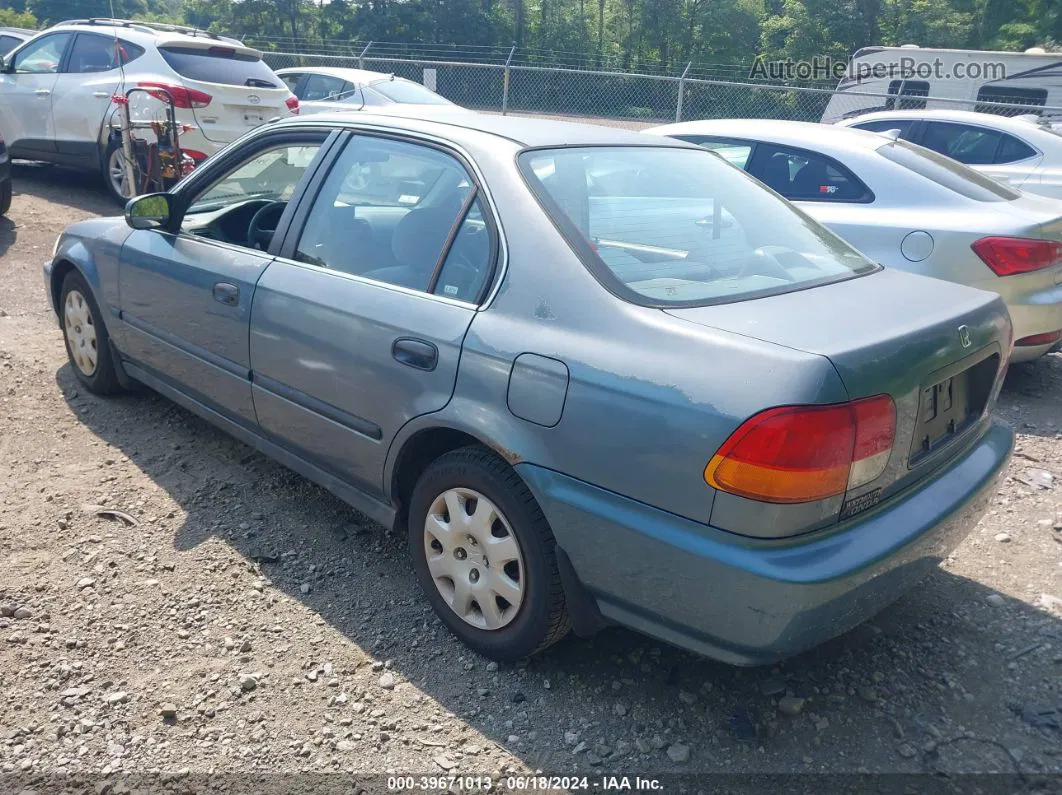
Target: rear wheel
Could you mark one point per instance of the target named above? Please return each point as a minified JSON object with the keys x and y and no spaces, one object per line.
{"x":485,"y":556}
{"x":114,"y":176}
{"x":87,"y":341}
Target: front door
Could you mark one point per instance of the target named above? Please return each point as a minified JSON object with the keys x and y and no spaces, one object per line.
{"x":26,"y":95}
{"x":357,"y":327}
{"x":186,"y":294}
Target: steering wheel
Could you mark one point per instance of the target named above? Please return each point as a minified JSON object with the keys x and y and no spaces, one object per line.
{"x":264,"y":224}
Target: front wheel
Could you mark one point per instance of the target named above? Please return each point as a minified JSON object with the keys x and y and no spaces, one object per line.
{"x":87,"y":342}
{"x":486,"y":557}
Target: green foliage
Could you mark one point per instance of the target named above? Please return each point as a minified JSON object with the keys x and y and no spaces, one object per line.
{"x":633,"y":34}
{"x":10,"y":18}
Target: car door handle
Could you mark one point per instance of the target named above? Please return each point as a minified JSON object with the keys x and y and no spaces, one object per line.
{"x":100,"y":94}
{"x":418,"y":354}
{"x":43,"y":92}
{"x":225,"y":293}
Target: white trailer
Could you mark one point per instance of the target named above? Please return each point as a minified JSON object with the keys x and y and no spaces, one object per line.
{"x":917,"y":78}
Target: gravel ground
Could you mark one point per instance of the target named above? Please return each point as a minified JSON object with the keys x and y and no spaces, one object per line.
{"x":171,"y":600}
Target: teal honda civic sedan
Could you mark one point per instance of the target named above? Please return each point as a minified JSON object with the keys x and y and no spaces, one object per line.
{"x":596,"y":377}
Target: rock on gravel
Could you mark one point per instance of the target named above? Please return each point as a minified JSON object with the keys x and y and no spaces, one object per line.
{"x":248,"y":682}
{"x":678,"y":752}
{"x":387,"y":681}
{"x":791,"y":705}
{"x":995,"y":600}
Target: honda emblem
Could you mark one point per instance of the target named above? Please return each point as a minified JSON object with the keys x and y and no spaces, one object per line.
{"x":964,"y":336}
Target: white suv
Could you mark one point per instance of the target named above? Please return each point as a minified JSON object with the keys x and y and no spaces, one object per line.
{"x":56,"y":91}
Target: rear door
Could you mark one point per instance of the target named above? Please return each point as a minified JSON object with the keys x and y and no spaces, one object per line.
{"x":358,"y":325}
{"x":234,"y":88}
{"x":90,"y":77}
{"x":26,"y":94}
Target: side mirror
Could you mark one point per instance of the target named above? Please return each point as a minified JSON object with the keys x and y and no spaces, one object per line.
{"x":151,"y":211}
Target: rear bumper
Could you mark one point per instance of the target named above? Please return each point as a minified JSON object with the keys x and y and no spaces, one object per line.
{"x":1035,"y":313}
{"x":747,"y":601}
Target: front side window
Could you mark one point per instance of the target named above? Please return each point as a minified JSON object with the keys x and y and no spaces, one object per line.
{"x":42,"y":56}
{"x":400,"y":213}
{"x":225,"y":209}
{"x":666,"y":226}
{"x":947,"y":172}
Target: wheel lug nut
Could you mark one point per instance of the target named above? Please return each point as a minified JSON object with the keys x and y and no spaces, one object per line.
{"x":460,"y":553}
{"x":473,"y":575}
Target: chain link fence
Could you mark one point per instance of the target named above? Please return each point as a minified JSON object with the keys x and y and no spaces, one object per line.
{"x":527,"y":86}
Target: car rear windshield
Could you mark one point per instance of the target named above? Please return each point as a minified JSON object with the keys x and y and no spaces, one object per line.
{"x":947,"y":173}
{"x":666,"y":226}
{"x":406,"y":91}
{"x":222,"y":65}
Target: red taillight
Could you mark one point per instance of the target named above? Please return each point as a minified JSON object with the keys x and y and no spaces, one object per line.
{"x":1007,"y":256}
{"x":182,"y":97}
{"x":797,"y":454}
{"x":1039,"y":339}
{"x":293,"y":104}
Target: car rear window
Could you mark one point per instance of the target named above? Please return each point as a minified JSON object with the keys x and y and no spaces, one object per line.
{"x":408,"y":92}
{"x":947,"y":173}
{"x":222,"y":65}
{"x":679,"y":227}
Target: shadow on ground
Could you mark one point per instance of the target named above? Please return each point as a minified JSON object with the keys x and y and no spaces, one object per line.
{"x":78,"y":189}
{"x":8,"y":235}
{"x":945,"y":680}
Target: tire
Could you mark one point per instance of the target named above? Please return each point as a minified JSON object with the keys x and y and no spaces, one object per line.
{"x":87,"y":342}
{"x":113,"y":150}
{"x":5,"y":196}
{"x":539,"y":618}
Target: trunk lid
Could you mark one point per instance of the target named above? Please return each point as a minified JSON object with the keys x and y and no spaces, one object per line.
{"x":937,"y":348}
{"x":244,"y":92}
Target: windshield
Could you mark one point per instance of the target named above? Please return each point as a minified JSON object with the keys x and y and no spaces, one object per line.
{"x":947,"y":173}
{"x":671,"y":226}
{"x":408,"y":92}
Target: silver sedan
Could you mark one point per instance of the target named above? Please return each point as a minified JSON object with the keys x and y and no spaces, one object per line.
{"x":911,"y":209}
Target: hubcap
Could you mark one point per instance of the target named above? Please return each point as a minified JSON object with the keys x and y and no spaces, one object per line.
{"x":80,"y":332}
{"x":116,"y":172}
{"x":474,"y":558}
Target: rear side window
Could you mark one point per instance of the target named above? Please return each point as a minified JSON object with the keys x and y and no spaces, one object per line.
{"x":676,"y":227}
{"x":974,"y":146}
{"x":95,"y":53}
{"x":222,"y":65}
{"x":800,"y":175}
{"x":733,"y":151}
{"x":1012,"y":149}
{"x":947,"y":172}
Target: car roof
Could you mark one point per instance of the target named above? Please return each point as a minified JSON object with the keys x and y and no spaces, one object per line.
{"x":459,"y":125}
{"x":802,"y":134}
{"x":18,"y":32}
{"x":1016,"y":125}
{"x":351,"y":75}
{"x":159,"y":33}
